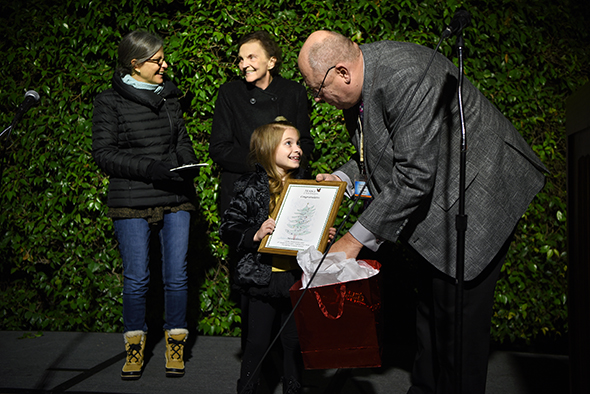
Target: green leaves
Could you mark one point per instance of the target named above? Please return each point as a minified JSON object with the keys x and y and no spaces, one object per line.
{"x":219,"y":315}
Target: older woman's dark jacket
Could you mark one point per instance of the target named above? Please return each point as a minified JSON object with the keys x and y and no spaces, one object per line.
{"x":240,"y":108}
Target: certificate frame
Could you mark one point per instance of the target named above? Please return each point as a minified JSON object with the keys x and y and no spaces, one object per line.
{"x":304,"y":214}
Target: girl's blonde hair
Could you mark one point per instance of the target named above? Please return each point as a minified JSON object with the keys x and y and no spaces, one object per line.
{"x":263,"y":146}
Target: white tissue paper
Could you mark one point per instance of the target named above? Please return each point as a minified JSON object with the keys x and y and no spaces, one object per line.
{"x":336,"y":268}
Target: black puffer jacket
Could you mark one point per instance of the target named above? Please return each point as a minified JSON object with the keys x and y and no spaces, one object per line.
{"x":131,"y":129}
{"x":246,"y":213}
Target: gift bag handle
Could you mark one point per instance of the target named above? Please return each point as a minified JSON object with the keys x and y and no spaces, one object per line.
{"x":340,"y":303}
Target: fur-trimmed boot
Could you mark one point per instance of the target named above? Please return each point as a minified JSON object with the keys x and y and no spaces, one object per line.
{"x":134,"y":346}
{"x":175,"y":342}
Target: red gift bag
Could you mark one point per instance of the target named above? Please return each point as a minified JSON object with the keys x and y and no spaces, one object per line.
{"x":340,"y":325}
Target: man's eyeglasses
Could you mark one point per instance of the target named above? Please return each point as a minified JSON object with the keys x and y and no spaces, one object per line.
{"x":159,"y":61}
{"x":316,"y":93}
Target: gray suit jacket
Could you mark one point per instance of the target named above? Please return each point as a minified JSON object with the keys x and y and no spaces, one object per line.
{"x":416,"y":183}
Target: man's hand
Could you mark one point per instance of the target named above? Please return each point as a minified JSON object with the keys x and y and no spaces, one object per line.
{"x":347,"y":244}
{"x":327,"y":177}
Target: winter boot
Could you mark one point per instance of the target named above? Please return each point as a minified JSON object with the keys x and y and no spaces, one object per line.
{"x":134,"y":346}
{"x":175,"y":341}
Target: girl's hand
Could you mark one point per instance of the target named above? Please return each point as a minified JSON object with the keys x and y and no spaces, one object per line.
{"x":331,"y":233}
{"x":267,"y":228}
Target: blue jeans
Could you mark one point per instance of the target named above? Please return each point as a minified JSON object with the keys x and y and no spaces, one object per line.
{"x":134,"y":240}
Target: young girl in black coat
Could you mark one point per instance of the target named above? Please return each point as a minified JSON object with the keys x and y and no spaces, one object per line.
{"x":264,"y":279}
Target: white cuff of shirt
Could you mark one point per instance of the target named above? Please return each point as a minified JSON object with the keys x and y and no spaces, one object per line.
{"x":358,"y":231}
{"x":349,"y":186}
{"x":364,"y":236}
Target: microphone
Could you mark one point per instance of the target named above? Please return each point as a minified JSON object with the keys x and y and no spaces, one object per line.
{"x":31,"y":100}
{"x":461,"y":20}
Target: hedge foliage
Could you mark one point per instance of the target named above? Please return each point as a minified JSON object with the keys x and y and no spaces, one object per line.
{"x":60,"y":266}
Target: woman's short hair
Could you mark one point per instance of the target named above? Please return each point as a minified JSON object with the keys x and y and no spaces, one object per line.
{"x":268,"y":44}
{"x":140,"y":45}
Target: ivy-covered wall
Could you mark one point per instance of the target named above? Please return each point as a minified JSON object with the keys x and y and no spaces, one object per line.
{"x":60,"y":268}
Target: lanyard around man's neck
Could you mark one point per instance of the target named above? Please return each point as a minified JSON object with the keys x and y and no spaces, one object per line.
{"x":361,"y":139}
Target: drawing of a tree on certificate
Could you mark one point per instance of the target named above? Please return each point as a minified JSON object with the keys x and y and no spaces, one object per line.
{"x":300,"y":222}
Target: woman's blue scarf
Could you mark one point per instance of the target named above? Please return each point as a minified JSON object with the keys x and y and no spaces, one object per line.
{"x":129,"y":80}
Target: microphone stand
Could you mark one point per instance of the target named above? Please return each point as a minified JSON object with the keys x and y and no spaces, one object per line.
{"x":31,"y":100}
{"x":461,"y":227}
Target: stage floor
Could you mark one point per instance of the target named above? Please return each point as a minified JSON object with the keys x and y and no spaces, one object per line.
{"x":75,"y":362}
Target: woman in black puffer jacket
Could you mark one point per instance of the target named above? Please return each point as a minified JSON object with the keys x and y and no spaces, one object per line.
{"x":138,"y":136}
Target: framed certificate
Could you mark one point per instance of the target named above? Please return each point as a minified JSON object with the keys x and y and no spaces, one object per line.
{"x":304,"y":214}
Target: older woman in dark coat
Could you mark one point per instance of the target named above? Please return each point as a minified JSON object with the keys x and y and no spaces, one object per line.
{"x":245,"y":104}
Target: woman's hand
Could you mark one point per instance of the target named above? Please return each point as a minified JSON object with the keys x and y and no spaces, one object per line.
{"x":160,"y":171}
{"x":267,"y":228}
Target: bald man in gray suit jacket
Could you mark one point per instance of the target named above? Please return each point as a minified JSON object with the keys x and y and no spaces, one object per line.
{"x":415,"y":185}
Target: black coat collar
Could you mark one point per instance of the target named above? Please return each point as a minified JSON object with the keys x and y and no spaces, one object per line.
{"x":145,"y":97}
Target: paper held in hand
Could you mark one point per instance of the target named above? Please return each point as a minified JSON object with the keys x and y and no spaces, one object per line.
{"x":189,"y":166}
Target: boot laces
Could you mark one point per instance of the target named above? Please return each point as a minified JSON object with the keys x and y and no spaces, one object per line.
{"x":134,"y":353}
{"x":176,"y":347}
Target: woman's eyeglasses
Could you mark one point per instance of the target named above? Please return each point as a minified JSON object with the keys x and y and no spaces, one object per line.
{"x":159,"y":61}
